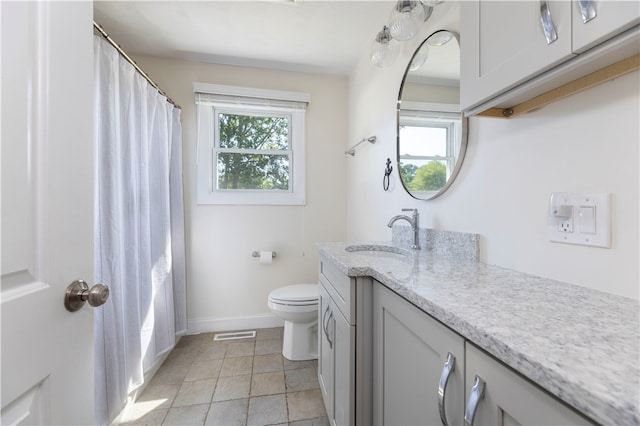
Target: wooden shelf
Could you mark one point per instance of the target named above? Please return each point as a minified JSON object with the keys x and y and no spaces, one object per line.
{"x":601,"y":76}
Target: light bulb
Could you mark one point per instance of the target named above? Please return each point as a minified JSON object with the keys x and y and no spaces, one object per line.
{"x":431,"y":3}
{"x":406,"y":18}
{"x":384,"y":49}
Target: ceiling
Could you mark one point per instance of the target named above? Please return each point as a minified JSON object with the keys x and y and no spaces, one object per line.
{"x":319,"y":36}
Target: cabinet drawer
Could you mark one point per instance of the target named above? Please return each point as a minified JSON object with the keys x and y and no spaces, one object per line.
{"x":340,"y":287}
{"x":510,"y":399}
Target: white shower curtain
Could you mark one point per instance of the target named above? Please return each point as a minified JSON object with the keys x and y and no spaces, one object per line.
{"x":138,"y":230}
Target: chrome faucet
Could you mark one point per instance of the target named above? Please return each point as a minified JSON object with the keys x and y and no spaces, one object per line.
{"x":413,"y":221}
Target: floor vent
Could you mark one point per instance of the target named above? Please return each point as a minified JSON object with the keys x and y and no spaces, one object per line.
{"x":234,"y":336}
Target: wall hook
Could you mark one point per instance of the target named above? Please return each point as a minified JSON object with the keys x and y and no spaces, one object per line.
{"x":387,"y":173}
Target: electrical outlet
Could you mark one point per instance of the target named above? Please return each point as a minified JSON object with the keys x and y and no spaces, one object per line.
{"x":566,"y":226}
{"x":583,"y":219}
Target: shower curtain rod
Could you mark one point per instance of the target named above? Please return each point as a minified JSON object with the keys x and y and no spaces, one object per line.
{"x":132,"y":62}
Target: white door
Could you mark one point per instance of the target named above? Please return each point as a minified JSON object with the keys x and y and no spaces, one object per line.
{"x":47,"y":211}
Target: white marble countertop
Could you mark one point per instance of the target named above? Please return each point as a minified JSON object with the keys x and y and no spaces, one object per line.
{"x":579,"y":344}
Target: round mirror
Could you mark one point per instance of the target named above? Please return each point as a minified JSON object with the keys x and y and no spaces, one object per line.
{"x":431,"y":130}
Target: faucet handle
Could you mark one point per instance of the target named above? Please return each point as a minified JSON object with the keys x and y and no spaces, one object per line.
{"x":415,"y":211}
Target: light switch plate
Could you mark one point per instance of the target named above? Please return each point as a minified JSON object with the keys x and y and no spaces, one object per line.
{"x":591,"y":220}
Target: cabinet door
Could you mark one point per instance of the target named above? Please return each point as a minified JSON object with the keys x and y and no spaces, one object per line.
{"x":611,"y":17}
{"x":409,"y":352}
{"x":509,"y":399}
{"x":325,"y":351}
{"x":343,"y":339}
{"x":502,"y":44}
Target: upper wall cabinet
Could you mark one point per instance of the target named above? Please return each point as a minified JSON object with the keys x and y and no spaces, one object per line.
{"x":507,"y":44}
{"x":596,"y":21}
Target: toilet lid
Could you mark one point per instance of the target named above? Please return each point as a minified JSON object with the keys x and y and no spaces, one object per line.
{"x":296,"y":293}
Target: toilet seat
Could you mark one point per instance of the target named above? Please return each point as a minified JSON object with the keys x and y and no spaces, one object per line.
{"x":295,"y":295}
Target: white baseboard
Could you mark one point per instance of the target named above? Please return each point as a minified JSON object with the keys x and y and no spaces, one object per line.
{"x":208,"y":325}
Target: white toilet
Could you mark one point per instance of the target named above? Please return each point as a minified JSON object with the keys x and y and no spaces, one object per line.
{"x":297,"y":305}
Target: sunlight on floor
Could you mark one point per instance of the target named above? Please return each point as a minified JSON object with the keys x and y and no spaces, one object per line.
{"x":140,"y":409}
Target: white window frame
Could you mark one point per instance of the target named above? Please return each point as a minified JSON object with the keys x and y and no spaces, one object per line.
{"x":212,"y":99}
{"x":423,"y":114}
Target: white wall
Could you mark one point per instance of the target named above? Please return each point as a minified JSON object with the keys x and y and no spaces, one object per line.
{"x":585,"y":143}
{"x":223,"y":280}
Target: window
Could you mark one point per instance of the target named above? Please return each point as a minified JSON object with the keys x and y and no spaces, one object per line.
{"x":250,"y":145}
{"x":430,"y":143}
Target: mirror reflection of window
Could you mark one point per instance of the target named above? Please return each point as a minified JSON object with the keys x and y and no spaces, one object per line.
{"x":427,"y":154}
{"x":431,"y":129}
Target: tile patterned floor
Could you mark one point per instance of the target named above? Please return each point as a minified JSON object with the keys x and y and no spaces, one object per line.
{"x":235,"y":382}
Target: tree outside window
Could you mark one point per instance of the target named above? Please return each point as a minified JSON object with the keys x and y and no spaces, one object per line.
{"x":253,"y":153}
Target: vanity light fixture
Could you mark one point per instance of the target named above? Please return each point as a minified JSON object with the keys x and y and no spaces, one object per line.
{"x":406,"y":18}
{"x":404,"y":23}
{"x":384,"y":50}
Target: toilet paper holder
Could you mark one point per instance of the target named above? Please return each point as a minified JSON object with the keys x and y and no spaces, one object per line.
{"x":257,"y":254}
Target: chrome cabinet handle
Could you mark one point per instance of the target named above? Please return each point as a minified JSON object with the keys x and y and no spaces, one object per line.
{"x":78,"y":293}
{"x":330,"y":338}
{"x":476,"y":394}
{"x":546,"y":20}
{"x":325,"y":323}
{"x":587,"y":10}
{"x":449,"y":367}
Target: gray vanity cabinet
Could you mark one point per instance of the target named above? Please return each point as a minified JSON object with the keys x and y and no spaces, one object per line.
{"x":509,"y":399}
{"x":410,"y":350}
{"x":336,"y":344}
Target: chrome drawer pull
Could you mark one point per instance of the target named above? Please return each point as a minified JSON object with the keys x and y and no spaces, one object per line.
{"x":449,"y":367}
{"x":330,"y":339}
{"x":325,"y":323}
{"x":587,"y":10}
{"x":546,"y":20}
{"x":476,"y":394}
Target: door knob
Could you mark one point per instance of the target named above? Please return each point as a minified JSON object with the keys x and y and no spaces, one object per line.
{"x":78,"y":294}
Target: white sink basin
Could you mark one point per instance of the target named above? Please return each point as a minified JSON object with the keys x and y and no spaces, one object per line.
{"x":379,"y":250}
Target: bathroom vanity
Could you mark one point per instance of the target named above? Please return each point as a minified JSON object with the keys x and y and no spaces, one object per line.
{"x":431,"y":331}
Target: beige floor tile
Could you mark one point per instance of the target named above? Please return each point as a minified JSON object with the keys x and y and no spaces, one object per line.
{"x":267,"y":363}
{"x":305,"y":405}
{"x":267,"y":410}
{"x":267,"y":383}
{"x":170,"y":374}
{"x":234,"y":387}
{"x":189,"y":341}
{"x":158,"y":396}
{"x":190,"y":415}
{"x":228,"y":413}
{"x":204,"y":338}
{"x":295,"y":365}
{"x":154,"y":418}
{"x":271,"y":346}
{"x":237,"y":349}
{"x":202,"y":370}
{"x":320,"y":421}
{"x":212,"y":351}
{"x":269,"y":333}
{"x":236,"y":366}
{"x":196,"y":392}
{"x":301,"y":379}
{"x":182,"y":356}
